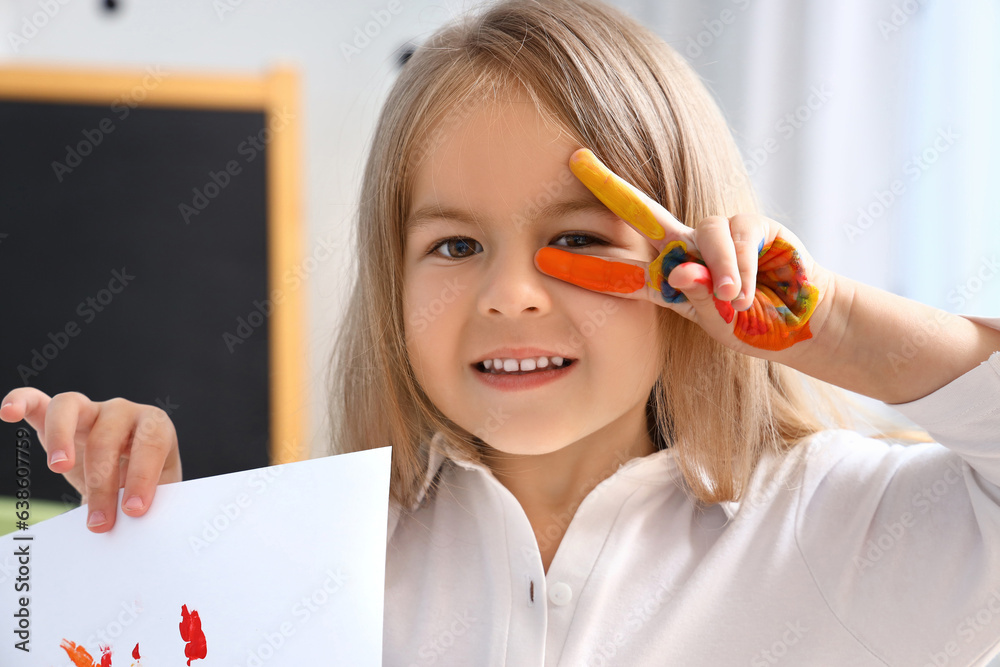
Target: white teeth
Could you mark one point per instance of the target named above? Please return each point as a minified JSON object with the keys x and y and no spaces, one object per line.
{"x":524,"y":365}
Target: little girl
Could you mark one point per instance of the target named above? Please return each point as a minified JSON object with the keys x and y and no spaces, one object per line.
{"x":607,"y":380}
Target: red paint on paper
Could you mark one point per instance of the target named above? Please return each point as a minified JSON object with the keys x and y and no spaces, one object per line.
{"x":195,"y":648}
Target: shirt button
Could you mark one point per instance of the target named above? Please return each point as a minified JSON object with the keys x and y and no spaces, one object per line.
{"x":560,"y":594}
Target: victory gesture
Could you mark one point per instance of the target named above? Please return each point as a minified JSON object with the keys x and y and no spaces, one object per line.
{"x":746,"y":280}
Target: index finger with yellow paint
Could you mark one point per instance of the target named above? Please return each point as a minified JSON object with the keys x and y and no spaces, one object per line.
{"x":673,"y":239}
{"x":628,"y":202}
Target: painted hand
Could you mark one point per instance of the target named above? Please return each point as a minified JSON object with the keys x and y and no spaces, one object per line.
{"x":746,"y":280}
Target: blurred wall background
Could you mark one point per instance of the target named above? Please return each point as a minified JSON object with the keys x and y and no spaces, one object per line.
{"x":867,"y":125}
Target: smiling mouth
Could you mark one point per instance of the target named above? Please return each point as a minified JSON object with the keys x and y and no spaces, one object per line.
{"x":481,"y":367}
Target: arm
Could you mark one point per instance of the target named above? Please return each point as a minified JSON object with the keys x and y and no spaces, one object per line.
{"x":892,"y":348}
{"x":750,"y":283}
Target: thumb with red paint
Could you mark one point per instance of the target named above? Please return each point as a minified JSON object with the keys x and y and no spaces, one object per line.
{"x":695,"y":282}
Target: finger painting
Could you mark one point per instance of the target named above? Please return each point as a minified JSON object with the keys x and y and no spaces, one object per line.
{"x":784,"y":299}
{"x":282,"y":565}
{"x":592,"y":272}
{"x":673,"y":255}
{"x":191,"y":635}
{"x":615,"y":193}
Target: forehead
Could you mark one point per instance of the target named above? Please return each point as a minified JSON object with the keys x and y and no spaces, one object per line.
{"x":499,"y":157}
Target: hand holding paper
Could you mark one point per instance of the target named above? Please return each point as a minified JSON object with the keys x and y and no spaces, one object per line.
{"x":85,"y":440}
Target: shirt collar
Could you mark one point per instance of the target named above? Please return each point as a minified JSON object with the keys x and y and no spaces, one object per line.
{"x":656,"y":467}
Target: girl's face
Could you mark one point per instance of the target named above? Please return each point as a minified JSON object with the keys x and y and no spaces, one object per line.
{"x":493,"y":187}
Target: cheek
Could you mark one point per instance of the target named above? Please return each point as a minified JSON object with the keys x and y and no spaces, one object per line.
{"x":629,"y":338}
{"x":431,"y":324}
{"x":416,"y":326}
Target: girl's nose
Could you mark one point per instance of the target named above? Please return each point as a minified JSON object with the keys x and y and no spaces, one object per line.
{"x":512,"y":285}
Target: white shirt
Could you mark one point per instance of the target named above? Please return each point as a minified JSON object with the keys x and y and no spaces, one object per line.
{"x":846,"y":551}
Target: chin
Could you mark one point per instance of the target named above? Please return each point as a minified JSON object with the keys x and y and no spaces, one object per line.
{"x":525,"y":441}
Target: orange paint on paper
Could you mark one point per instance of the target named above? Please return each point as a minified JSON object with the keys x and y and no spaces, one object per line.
{"x":82,"y":658}
{"x":190,"y":626}
{"x":591,"y":272}
{"x":615,"y":193}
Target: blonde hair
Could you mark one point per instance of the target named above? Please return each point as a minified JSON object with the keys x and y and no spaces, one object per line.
{"x":622,"y":92}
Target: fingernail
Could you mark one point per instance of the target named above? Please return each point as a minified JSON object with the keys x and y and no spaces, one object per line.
{"x":57,"y":456}
{"x":725,"y":280}
{"x":134,"y":503}
{"x":95,"y":519}
{"x":5,"y":405}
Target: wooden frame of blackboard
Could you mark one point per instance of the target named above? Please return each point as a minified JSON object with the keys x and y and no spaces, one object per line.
{"x":276,"y":92}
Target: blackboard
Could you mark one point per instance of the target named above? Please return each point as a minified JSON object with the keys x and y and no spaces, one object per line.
{"x":148,"y":241}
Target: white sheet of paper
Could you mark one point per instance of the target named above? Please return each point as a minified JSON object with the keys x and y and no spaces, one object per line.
{"x":285,"y":565}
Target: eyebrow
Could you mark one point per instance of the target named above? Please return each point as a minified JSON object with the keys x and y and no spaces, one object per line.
{"x":423,"y":215}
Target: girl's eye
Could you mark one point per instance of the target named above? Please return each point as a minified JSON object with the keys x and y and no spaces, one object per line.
{"x":576,"y":242}
{"x":457,"y":247}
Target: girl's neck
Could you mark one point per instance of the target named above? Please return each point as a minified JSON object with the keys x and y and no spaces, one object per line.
{"x":551,"y":486}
